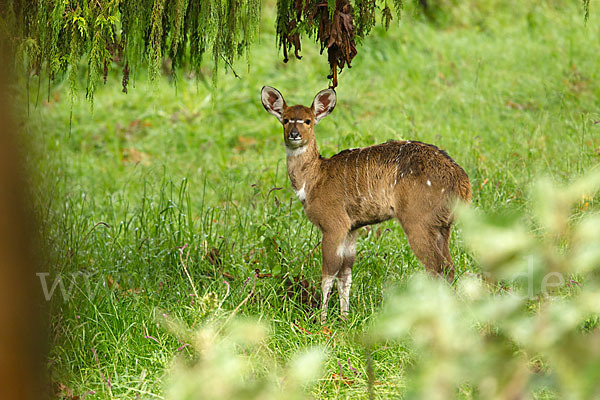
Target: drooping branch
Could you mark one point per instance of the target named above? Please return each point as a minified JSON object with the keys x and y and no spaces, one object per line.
{"x":336,"y":25}
{"x":59,"y":37}
{"x":75,"y":38}
{"x":52,"y":37}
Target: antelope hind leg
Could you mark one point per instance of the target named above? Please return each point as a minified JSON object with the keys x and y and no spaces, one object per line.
{"x":424,"y":242}
{"x":344,"y":279}
{"x":332,"y":263}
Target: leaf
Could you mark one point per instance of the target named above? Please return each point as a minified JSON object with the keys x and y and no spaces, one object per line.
{"x":134,"y":156}
{"x":110,"y":281}
{"x":133,"y":291}
{"x":306,"y":366}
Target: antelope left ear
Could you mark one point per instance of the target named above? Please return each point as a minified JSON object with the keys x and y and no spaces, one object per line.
{"x":323,"y":104}
{"x":273,"y":101}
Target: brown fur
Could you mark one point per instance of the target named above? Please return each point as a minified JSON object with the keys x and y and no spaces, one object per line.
{"x":413,"y":182}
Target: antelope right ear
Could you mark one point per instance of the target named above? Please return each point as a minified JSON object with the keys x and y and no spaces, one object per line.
{"x":323,"y":104}
{"x":273,"y":101}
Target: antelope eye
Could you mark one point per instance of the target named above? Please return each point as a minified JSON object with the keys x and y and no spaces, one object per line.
{"x":307,"y":121}
{"x":285,"y":121}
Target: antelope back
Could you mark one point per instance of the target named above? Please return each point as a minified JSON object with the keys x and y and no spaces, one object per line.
{"x":374,"y":182}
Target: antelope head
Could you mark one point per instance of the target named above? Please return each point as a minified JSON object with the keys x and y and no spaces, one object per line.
{"x":298,"y":121}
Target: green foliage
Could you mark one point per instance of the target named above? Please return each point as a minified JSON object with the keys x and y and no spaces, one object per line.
{"x":55,"y":36}
{"x":495,"y":345}
{"x":223,"y":369}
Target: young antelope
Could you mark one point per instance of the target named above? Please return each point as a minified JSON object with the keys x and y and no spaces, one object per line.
{"x":414,"y":182}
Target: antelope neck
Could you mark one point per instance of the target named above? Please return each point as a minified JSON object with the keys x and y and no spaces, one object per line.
{"x":302,"y":165}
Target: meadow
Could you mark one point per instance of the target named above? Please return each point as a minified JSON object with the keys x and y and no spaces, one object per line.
{"x":168,"y":208}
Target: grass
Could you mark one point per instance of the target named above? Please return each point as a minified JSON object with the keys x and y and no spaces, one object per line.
{"x":511,"y":93}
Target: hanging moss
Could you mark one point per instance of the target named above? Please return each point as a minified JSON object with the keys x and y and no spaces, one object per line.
{"x":60,"y":37}
{"x":586,"y":8}
{"x":55,"y":36}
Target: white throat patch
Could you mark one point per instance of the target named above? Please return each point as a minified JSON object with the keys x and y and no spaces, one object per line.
{"x":295,"y":152}
{"x":301,"y":193}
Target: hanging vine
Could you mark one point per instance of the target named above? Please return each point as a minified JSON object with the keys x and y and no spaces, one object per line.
{"x":60,"y":37}
{"x":52,"y":37}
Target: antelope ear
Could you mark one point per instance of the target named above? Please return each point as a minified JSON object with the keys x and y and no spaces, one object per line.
{"x":273,"y":101}
{"x":323,"y":104}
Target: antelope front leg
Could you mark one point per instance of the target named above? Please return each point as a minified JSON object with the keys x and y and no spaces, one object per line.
{"x":332,"y":262}
{"x":344,"y":278}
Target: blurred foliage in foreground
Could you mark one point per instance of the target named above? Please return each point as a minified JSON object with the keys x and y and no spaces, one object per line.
{"x":489,"y":337}
{"x":226,"y":367}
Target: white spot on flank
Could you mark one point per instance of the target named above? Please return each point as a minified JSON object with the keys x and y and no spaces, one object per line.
{"x":301,"y":193}
{"x":443,"y":190}
{"x":428,"y":182}
{"x":295,"y":152}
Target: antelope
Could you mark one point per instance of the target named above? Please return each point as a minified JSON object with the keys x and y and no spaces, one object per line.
{"x":414,"y":182}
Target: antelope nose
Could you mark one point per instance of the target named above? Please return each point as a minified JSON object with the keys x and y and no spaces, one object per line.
{"x":294,"y":134}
